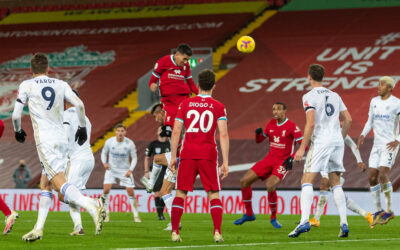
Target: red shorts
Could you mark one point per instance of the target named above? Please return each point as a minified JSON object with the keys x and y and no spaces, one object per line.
{"x":188,"y":170}
{"x":171,"y":105}
{"x":270,"y":166}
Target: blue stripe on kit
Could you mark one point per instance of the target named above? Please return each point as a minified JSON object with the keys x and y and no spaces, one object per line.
{"x":165,"y":197}
{"x":64,"y":188}
{"x":47,"y":194}
{"x":376,"y":188}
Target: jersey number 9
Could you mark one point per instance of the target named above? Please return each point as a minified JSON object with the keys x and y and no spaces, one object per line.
{"x":48,"y":97}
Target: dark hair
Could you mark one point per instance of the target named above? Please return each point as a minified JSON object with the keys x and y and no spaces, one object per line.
{"x":120,"y":125}
{"x":184,"y":49}
{"x":39,"y":63}
{"x":316,"y":72}
{"x":206,"y":79}
{"x":153,"y":109}
{"x":281,"y":103}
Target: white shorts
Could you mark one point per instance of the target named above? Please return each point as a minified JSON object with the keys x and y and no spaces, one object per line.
{"x":53,"y":157}
{"x":110,"y":178}
{"x":79,"y":171}
{"x":324,"y":158}
{"x":381,"y":157}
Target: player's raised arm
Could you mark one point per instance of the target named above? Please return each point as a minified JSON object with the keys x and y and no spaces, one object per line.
{"x":17,"y":113}
{"x":367,"y":126}
{"x":224,"y":141}
{"x":156,"y":75}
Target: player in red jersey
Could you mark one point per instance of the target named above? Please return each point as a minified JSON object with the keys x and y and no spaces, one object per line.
{"x":11,"y":215}
{"x":200,"y":116}
{"x":175,"y":81}
{"x":282,"y":134}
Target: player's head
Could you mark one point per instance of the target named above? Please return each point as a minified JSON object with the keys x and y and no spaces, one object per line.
{"x":386,"y":85}
{"x":279,"y":111}
{"x":68,"y":104}
{"x":158,"y":113}
{"x":120,"y":131}
{"x":182,"y":54}
{"x":316,"y":73}
{"x":206,"y":80}
{"x":39,"y":64}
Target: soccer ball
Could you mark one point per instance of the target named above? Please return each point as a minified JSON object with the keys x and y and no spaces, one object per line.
{"x":246,"y":44}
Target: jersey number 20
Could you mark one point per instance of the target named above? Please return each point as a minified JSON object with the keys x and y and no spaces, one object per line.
{"x":201,"y":117}
{"x":47,"y":97}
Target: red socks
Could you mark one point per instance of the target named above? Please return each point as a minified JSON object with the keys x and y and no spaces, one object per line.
{"x":4,"y":208}
{"x":247,"y":193}
{"x":176,"y":213}
{"x":273,"y":202}
{"x":216,"y":214}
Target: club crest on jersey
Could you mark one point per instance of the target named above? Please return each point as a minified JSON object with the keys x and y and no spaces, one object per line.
{"x":276,"y":139}
{"x":283,"y":133}
{"x":158,"y":150}
{"x":71,"y":65}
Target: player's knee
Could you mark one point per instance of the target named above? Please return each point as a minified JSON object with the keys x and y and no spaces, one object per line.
{"x":158,"y":159}
{"x":373,"y":180}
{"x":244,"y":183}
{"x":270,"y":188}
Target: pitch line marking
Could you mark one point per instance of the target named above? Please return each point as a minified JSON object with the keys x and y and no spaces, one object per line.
{"x":261,"y":244}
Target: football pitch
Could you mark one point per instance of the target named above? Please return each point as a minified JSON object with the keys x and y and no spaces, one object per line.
{"x":122,"y":232}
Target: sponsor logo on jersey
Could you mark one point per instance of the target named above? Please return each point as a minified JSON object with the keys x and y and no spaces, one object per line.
{"x":70,"y":65}
{"x":177,"y":71}
{"x":158,"y":150}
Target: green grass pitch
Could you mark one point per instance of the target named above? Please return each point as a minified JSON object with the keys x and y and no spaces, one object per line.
{"x":122,"y":232}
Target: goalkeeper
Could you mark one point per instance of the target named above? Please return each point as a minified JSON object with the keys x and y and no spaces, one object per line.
{"x":282,"y":134}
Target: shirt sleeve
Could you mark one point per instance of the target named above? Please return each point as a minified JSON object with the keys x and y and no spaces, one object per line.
{"x":133,"y":156}
{"x":149,"y":150}
{"x":368,"y":125}
{"x":308,"y":103}
{"x":342,"y":107}
{"x":297,"y":134}
{"x":158,"y":70}
{"x":222,"y":113}
{"x":180,"y":116}
{"x":104,"y":153}
{"x":72,"y":98}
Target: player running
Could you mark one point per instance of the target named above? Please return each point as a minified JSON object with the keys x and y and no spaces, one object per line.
{"x":324,"y":187}
{"x":383,"y":118}
{"x":282,"y":134}
{"x":11,"y":215}
{"x":200,"y":116}
{"x":115,"y":157}
{"x":323,"y":108}
{"x":81,"y":164}
{"x":45,"y":97}
{"x":156,"y":147}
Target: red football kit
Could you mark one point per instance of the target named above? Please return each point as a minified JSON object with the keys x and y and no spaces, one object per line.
{"x":281,"y":140}
{"x":176,"y":84}
{"x":199,"y":154}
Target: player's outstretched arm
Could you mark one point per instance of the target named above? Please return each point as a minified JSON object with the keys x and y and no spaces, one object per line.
{"x":346,"y":117}
{"x":308,"y":131}
{"x":224,"y":141}
{"x":16,"y":118}
{"x":176,"y":135}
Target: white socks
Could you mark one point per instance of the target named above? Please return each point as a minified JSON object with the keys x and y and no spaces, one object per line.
{"x":75,"y":213}
{"x":135,"y":211}
{"x":168,"y":199}
{"x":376,"y":197}
{"x":323,"y":198}
{"x":354,"y":207}
{"x":155,"y":172}
{"x":73,"y":195}
{"x":106,"y":205}
{"x":387,"y":191}
{"x":306,"y":200}
{"x":340,"y":202}
{"x":46,"y":199}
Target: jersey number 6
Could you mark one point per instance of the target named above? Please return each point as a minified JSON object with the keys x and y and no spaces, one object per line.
{"x":50,"y":97}
{"x":329,"y":109}
{"x":202,"y":118}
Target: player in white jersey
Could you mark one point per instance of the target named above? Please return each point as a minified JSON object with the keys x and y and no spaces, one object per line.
{"x":115,"y":157}
{"x":323,"y":108}
{"x":383,"y":118}
{"x":45,"y":97}
{"x":324,"y":187}
{"x":80,"y":165}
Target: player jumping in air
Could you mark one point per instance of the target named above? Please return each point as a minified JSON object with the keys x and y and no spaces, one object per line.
{"x":282,"y":134}
{"x":45,"y":97}
{"x":200,"y":116}
{"x":323,"y":108}
{"x":383,"y":118}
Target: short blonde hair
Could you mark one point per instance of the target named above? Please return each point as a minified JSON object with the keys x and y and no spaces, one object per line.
{"x":388,"y":80}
